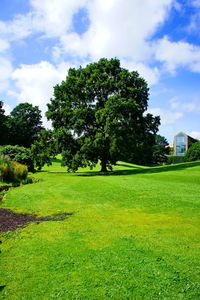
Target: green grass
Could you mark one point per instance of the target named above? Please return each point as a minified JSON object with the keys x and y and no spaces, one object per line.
{"x":135,"y":234}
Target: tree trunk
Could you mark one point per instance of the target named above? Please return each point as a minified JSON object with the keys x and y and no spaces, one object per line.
{"x":103,"y":166}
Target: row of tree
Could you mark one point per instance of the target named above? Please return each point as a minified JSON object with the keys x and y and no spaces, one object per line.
{"x":98,"y":114}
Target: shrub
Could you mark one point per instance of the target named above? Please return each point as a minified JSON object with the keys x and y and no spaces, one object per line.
{"x":12,"y":171}
{"x":193,"y":152}
{"x":19,"y":154}
{"x":175,"y":159}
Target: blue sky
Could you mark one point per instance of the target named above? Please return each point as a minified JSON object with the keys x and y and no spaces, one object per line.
{"x":40,"y":40}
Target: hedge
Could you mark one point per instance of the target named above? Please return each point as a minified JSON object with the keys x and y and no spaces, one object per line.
{"x":175,"y":159}
{"x":19,"y":154}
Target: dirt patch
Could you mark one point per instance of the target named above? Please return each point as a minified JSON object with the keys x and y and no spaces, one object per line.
{"x":10,"y":221}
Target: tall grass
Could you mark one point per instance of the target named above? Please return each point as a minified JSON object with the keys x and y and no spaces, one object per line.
{"x":12,"y":171}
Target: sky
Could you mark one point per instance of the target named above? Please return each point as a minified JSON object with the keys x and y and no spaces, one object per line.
{"x":41,"y":40}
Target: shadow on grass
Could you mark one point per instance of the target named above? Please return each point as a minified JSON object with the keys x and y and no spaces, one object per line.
{"x":2,"y":287}
{"x":143,"y":170}
{"x":56,"y":160}
{"x":128,"y":166}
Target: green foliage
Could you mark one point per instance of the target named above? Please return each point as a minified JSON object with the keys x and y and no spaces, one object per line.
{"x":160,"y":149}
{"x":12,"y":171}
{"x":24,"y":124}
{"x":98,"y":113}
{"x":19,"y":154}
{"x":193,"y":153}
{"x":3,"y":126}
{"x":176,"y":159}
{"x":43,"y":149}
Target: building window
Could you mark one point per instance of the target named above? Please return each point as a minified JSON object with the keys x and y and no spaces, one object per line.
{"x":180,"y":144}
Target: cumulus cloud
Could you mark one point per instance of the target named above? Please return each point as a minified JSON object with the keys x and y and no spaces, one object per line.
{"x":51,"y":18}
{"x":34,"y":83}
{"x":178,"y":54}
{"x":195,"y":134}
{"x":150,"y":74}
{"x":7,"y":108}
{"x":192,"y":106}
{"x":167,"y":117}
{"x":118,"y":28}
{"x":54,"y":17}
{"x":18,"y":28}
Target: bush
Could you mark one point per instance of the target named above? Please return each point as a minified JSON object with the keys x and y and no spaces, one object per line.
{"x":175,"y":159}
{"x":12,"y":171}
{"x":193,"y":152}
{"x":19,"y":154}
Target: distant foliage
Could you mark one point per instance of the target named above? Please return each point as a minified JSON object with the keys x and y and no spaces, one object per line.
{"x":12,"y":171}
{"x":19,"y":154}
{"x":174,"y":159}
{"x":160,"y":149}
{"x":193,"y":152}
{"x":3,"y":125}
{"x":24,"y":124}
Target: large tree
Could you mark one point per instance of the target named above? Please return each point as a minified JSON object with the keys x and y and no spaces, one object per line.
{"x":25,"y":123}
{"x":98,"y":114}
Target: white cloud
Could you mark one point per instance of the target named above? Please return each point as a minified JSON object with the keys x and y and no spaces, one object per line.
{"x":167,"y":116}
{"x":19,"y":28}
{"x":7,"y":108}
{"x":35,"y":82}
{"x":192,"y":106}
{"x":118,"y":28}
{"x":50,"y":18}
{"x":54,"y":17}
{"x":195,"y":134}
{"x":151,"y":75}
{"x":178,"y":54}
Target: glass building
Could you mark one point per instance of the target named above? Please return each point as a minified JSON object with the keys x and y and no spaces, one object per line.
{"x":182,"y":142}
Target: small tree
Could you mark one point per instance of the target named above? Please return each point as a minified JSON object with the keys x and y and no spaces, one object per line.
{"x":98,"y":115}
{"x":193,"y":153}
{"x":160,"y":149}
{"x":24,"y":124}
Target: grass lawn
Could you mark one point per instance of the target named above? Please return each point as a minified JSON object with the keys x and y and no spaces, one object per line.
{"x":134,"y":234}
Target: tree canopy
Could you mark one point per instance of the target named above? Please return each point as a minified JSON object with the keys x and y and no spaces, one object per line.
{"x":99,"y":114}
{"x":160,"y":149}
{"x":193,"y":153}
{"x":24,"y":124}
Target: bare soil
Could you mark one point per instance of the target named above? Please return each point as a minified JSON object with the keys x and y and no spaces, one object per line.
{"x":10,"y":221}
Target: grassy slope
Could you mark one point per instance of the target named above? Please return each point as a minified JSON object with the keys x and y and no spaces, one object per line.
{"x":134,"y":234}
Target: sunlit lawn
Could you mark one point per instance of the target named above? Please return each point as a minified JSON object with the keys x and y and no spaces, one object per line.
{"x":134,"y":234}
